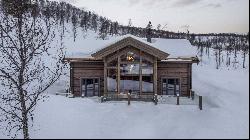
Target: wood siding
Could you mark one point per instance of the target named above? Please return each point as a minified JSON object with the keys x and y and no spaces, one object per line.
{"x":80,"y":70}
{"x":175,"y":70}
{"x":94,"y":69}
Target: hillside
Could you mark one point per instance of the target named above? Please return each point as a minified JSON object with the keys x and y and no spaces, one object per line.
{"x":222,"y":78}
{"x":225,"y":91}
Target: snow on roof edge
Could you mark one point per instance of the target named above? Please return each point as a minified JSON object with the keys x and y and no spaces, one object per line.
{"x":119,"y":38}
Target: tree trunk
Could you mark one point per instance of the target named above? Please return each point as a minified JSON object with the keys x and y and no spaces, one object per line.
{"x":25,"y":126}
{"x":22,"y":48}
{"x":244,"y":59}
{"x":25,"y":122}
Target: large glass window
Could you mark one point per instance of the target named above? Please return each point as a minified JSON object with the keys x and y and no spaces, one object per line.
{"x":112,"y":80}
{"x":147,"y":67}
{"x":147,"y":84}
{"x":113,"y":63}
{"x":171,"y":86}
{"x":147,"y":77}
{"x":127,"y":69}
{"x":128,"y":83}
{"x":130,"y":74}
{"x":130,"y":78}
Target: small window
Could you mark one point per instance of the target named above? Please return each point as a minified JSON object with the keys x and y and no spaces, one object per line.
{"x":90,"y":87}
{"x":130,"y":57}
{"x":171,"y":86}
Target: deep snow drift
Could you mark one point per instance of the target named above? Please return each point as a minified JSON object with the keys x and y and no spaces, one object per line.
{"x":225,"y":114}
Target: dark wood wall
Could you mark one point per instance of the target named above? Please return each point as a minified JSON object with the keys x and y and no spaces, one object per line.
{"x":175,"y":70}
{"x":93,"y":69}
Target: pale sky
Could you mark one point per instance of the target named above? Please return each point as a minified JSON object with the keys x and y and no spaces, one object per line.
{"x":203,"y":16}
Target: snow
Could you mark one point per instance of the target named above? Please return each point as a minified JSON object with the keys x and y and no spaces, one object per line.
{"x":226,"y":108}
{"x":62,"y":117}
{"x":225,"y":113}
{"x":119,"y":38}
{"x":84,"y":48}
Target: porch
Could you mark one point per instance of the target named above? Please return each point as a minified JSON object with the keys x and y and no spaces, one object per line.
{"x":192,"y":99}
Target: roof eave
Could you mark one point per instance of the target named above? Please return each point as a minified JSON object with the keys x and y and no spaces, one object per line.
{"x":161,"y":56}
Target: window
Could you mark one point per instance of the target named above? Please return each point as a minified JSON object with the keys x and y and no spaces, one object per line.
{"x":113,"y":63}
{"x":147,"y":84}
{"x":127,"y":69}
{"x":112,"y":80}
{"x":171,"y":86}
{"x":147,"y":77}
{"x":130,"y":57}
{"x":90,"y":87}
{"x":130,"y":83}
{"x":130,"y":73}
{"x":147,"y":67}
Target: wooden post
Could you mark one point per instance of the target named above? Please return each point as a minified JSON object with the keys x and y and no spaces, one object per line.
{"x":118,"y":75}
{"x":192,"y":93}
{"x":71,"y":79}
{"x":105,"y":77}
{"x":191,"y":77}
{"x":140,"y":72}
{"x":200,"y":102}
{"x":178,"y":100}
{"x":102,"y":99}
{"x":93,"y":86}
{"x":155,"y":99}
{"x":155,"y":76}
{"x":129,"y":98}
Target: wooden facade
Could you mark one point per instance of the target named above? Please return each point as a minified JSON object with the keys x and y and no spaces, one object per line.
{"x":154,"y":69}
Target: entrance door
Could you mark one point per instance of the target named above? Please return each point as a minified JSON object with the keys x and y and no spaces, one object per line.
{"x":90,"y":87}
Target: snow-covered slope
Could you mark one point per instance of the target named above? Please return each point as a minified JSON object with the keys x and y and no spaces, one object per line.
{"x":225,"y":114}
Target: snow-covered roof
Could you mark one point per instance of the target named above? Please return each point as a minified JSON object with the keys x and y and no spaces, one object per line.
{"x":182,"y":59}
{"x":119,"y":38}
{"x":84,"y":48}
{"x":130,"y":40}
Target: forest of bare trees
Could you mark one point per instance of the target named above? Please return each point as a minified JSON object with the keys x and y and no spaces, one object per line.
{"x":232,"y":44}
{"x":63,"y":12}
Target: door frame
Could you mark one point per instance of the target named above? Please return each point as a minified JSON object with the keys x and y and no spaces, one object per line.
{"x":175,"y":84}
{"x":99,"y":88}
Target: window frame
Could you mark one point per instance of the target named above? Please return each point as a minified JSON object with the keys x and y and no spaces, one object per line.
{"x":166,"y":91}
{"x":92,"y":78}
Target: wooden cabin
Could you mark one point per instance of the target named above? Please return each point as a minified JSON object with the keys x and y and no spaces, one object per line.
{"x":130,"y":65}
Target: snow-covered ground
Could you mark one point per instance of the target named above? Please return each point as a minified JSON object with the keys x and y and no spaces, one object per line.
{"x":225,"y":113}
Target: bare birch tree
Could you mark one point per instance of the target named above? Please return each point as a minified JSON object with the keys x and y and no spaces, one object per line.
{"x":29,"y":63}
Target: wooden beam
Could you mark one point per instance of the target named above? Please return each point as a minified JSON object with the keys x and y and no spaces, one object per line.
{"x":155,"y":75}
{"x":119,"y":53}
{"x":118,"y":75}
{"x":71,"y":79}
{"x":191,"y":77}
{"x":105,"y":77}
{"x":140,"y":68}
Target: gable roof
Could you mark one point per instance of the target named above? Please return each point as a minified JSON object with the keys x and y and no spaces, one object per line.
{"x":130,"y":40}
